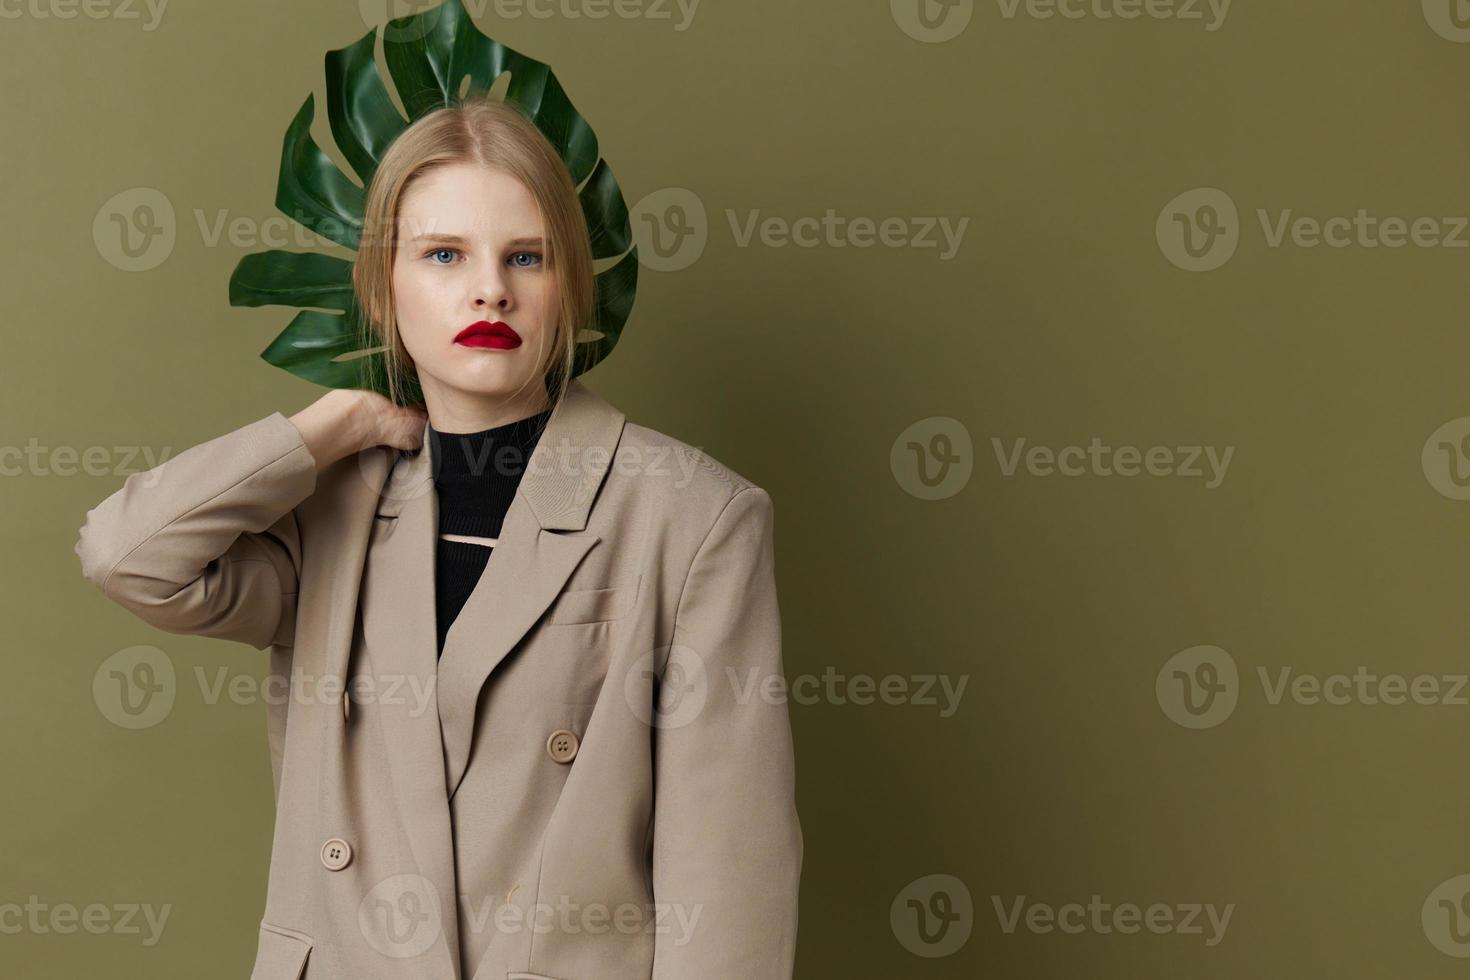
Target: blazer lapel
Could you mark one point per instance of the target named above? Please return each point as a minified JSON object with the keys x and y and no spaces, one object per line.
{"x":531,"y":562}
{"x":403,"y":649}
{"x":377,"y":483}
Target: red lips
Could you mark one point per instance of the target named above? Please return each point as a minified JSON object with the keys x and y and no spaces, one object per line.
{"x":492,"y":336}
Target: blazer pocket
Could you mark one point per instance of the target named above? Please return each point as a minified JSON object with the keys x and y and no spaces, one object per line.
{"x":529,"y":976}
{"x":592,"y":605}
{"x":281,"y":954}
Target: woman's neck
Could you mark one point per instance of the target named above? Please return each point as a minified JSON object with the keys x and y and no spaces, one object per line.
{"x":467,"y":415}
{"x":495,"y":453}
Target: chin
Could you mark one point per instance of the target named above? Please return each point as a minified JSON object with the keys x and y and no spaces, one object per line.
{"x":487,"y":383}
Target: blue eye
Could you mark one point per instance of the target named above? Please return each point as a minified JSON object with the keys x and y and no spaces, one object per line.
{"x":534,"y":256}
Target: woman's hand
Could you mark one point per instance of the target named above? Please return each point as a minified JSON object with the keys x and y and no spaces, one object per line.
{"x":346,"y":421}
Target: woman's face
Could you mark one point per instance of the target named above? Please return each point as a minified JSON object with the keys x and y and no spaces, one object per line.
{"x":471,"y":251}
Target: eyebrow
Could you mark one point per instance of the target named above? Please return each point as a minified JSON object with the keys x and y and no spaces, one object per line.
{"x":436,"y":236}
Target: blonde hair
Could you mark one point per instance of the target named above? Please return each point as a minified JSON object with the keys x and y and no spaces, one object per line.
{"x":501,"y":136}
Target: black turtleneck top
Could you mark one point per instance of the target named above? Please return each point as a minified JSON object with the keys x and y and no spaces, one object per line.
{"x":476,"y":476}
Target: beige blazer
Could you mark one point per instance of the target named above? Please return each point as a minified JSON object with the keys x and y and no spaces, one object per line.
{"x":596,"y":780}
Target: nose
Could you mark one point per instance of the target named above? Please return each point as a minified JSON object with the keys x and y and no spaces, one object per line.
{"x":492,"y":289}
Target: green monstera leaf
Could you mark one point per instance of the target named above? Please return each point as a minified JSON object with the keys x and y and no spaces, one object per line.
{"x":435,"y":58}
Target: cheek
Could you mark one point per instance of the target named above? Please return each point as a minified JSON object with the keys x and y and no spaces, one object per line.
{"x":405,"y":291}
{"x":543,"y":297}
{"x":411,"y":301}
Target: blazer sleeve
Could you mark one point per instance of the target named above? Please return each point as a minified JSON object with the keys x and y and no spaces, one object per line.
{"x":207,"y":542}
{"x":727,"y":844}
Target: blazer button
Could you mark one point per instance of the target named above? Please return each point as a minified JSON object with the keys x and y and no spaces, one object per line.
{"x":336,"y":854}
{"x":346,"y":705}
{"x":562,"y":745}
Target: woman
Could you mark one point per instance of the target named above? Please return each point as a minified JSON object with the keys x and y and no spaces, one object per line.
{"x":535,"y":724}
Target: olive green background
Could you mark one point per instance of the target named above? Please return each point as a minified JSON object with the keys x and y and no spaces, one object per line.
{"x":1060,"y":599}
